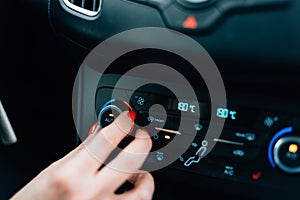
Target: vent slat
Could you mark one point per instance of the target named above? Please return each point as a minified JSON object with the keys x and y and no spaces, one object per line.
{"x":87,"y":7}
{"x":94,"y":5}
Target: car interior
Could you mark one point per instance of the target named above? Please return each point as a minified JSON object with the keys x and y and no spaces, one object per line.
{"x":255,"y":45}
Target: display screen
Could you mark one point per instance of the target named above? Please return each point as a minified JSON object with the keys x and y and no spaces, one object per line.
{"x":233,"y":115}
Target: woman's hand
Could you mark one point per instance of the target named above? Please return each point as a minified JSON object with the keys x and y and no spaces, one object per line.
{"x":77,"y":175}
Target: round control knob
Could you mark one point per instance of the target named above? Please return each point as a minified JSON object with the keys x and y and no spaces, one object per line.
{"x":108,"y":114}
{"x":286,"y":154}
{"x":110,"y":111}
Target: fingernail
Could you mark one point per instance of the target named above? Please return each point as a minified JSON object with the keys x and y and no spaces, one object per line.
{"x":92,"y":129}
{"x":131,"y":115}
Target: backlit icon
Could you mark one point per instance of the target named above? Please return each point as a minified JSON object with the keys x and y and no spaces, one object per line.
{"x":140,"y":101}
{"x":247,"y":136}
{"x":198,"y":127}
{"x":238,"y":152}
{"x":194,"y":144}
{"x":155,"y":137}
{"x":109,"y":120}
{"x":190,"y":22}
{"x":198,"y":155}
{"x":159,"y":156}
{"x":150,"y":119}
{"x":229,"y":170}
{"x":181,"y":159}
{"x":256,"y":176}
{"x":269,"y":121}
{"x":250,"y":136}
{"x":293,"y":148}
{"x":292,"y":152}
{"x":167,"y":137}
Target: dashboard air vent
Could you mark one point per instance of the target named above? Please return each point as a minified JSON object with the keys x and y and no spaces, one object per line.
{"x":87,"y":9}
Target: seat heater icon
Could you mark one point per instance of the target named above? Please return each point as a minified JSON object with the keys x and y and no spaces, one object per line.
{"x":198,"y":155}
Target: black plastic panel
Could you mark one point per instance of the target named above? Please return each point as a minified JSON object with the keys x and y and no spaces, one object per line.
{"x":267,"y":34}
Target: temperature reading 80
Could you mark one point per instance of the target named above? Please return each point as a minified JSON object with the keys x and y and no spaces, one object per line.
{"x":185,"y":107}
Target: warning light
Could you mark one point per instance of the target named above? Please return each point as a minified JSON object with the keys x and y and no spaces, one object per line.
{"x":167,"y":137}
{"x":190,"y":22}
{"x":293,"y":148}
{"x":256,"y":176}
{"x":111,"y":115}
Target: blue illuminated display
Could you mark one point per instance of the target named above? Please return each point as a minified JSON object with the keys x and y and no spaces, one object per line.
{"x":185,"y":107}
{"x":226,"y":113}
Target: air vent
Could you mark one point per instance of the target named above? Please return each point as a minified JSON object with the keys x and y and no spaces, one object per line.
{"x":87,"y":9}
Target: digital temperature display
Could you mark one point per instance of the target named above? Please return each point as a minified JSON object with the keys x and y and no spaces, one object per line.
{"x":232,"y":115}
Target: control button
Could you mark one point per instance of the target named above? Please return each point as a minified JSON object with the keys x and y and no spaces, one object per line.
{"x":271,"y":121}
{"x":245,"y":136}
{"x":235,"y":151}
{"x":108,"y":114}
{"x":283,"y":132}
{"x":161,"y":4}
{"x":190,"y":22}
{"x":256,"y":175}
{"x":227,"y":171}
{"x":197,"y":21}
{"x":110,"y":111}
{"x":233,"y":171}
{"x":202,"y":167}
{"x":193,"y":127}
{"x":287,"y":154}
{"x":162,"y":129}
{"x":199,"y":154}
{"x":140,"y":101}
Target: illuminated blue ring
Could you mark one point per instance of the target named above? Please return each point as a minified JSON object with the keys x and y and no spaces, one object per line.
{"x":274,"y":139}
{"x":107,"y":103}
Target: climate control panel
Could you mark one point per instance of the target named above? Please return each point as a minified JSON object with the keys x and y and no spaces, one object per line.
{"x":255,"y":146}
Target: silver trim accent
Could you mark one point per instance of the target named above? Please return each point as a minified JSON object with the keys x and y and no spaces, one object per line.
{"x":228,"y":142}
{"x":277,"y":146}
{"x":79,"y":11}
{"x":7,"y":133}
{"x":196,"y":1}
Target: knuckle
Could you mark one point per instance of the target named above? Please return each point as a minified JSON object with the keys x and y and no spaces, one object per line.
{"x":60,"y":182}
{"x":144,"y":195}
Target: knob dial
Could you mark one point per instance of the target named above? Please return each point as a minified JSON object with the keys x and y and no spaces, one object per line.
{"x":108,"y":114}
{"x":110,"y":111}
{"x":286,"y":154}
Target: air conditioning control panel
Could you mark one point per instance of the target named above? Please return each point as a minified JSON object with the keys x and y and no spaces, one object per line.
{"x":255,"y":146}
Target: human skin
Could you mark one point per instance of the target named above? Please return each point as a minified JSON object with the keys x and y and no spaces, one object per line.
{"x":78,"y":174}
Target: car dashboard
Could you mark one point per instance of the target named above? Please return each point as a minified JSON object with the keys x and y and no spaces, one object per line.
{"x":255,"y":46}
